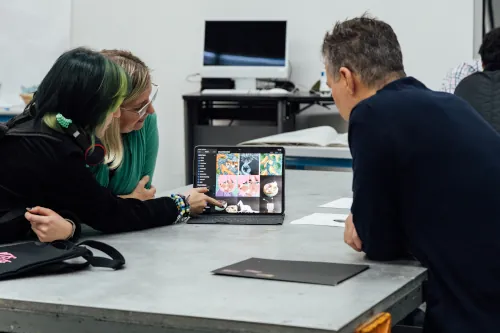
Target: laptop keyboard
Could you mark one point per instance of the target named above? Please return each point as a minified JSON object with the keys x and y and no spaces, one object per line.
{"x":225,"y":219}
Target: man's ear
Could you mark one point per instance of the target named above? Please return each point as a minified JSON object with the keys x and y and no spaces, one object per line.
{"x":347,"y":78}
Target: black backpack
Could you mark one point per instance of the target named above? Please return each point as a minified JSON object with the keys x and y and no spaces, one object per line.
{"x":24,"y":125}
{"x":34,"y":258}
{"x":25,"y":116}
{"x":12,"y":227}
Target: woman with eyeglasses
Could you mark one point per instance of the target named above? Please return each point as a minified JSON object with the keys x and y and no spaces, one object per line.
{"x":132,"y":139}
{"x":49,"y":147}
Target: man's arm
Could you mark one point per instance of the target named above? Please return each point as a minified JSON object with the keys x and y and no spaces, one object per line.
{"x":375,"y":203}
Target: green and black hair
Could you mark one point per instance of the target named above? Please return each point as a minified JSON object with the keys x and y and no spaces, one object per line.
{"x":83,"y":86}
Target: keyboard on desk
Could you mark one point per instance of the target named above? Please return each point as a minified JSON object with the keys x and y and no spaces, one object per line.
{"x":238,"y":219}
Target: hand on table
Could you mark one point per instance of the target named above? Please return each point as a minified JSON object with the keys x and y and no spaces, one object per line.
{"x":198,"y":200}
{"x":48,"y":225}
{"x":141,"y":192}
{"x":350,"y":235}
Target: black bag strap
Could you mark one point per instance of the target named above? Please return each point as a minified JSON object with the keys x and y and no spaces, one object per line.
{"x":3,"y":130}
{"x":117,"y":260}
{"x":13,"y":214}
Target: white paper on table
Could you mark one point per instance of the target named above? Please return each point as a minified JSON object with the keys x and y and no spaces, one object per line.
{"x":332,"y":220}
{"x":342,"y":203}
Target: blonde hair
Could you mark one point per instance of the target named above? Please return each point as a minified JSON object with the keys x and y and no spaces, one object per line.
{"x":140,"y":81}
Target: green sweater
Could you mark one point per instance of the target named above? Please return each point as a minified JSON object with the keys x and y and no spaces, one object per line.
{"x":140,"y":149}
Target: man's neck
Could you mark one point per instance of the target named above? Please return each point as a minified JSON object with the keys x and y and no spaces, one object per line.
{"x":365,"y":92}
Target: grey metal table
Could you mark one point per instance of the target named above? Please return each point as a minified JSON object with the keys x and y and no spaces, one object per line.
{"x":167,"y":285}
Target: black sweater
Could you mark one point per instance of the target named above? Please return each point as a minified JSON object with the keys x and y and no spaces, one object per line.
{"x":427,"y":182}
{"x":50,"y":171}
{"x":481,"y":90}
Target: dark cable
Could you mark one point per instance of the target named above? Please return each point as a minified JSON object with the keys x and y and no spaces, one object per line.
{"x":492,"y":16}
{"x":484,"y":18}
{"x":190,"y":77}
{"x":490,"y":13}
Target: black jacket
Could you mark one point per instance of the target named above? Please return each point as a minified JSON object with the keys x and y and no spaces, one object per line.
{"x":482,"y":91}
{"x":50,"y":171}
{"x":427,"y":180}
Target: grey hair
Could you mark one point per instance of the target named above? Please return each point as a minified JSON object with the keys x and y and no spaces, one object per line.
{"x":366,"y":46}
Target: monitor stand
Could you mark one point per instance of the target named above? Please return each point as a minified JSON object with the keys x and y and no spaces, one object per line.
{"x":245,"y":84}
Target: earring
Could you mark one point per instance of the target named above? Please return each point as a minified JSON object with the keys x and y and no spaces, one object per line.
{"x":63,"y":121}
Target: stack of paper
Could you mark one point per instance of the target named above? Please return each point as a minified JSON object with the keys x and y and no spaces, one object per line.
{"x":332,"y":220}
{"x":321,"y":136}
{"x":342,"y":203}
{"x":328,"y":219}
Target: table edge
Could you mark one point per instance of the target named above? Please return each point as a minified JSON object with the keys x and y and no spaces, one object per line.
{"x":182,"y":322}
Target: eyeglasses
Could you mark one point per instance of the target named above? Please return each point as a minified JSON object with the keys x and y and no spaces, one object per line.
{"x":142,"y":111}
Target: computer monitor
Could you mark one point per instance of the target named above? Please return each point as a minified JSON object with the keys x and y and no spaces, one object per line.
{"x":245,"y":51}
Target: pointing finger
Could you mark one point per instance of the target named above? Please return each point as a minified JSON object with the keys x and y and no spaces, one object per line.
{"x":201,"y":189}
{"x":212,"y":201}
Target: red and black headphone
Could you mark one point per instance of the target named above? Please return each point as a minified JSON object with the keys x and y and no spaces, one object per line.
{"x":94,"y":153}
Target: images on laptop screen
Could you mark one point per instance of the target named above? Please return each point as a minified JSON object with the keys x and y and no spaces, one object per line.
{"x":247,"y":180}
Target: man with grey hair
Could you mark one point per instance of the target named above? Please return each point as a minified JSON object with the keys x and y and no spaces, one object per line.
{"x":426,"y":173}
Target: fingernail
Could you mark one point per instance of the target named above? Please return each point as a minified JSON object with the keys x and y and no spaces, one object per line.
{"x":28,"y":208}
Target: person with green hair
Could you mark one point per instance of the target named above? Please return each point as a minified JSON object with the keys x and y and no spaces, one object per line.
{"x":48,"y":151}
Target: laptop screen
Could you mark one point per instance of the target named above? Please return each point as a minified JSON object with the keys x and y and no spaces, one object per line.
{"x":244,"y":179}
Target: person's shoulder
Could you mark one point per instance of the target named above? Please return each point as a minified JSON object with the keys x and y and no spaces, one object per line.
{"x":389,"y":98}
{"x":472,"y":80}
{"x":397,"y":100}
{"x":44,"y":151}
{"x":475,"y":76}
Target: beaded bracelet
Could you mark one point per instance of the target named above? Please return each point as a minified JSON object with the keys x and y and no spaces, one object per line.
{"x":182,"y":206}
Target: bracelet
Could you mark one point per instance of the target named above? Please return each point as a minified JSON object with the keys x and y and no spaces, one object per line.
{"x":182,"y":206}
{"x":73,"y":229}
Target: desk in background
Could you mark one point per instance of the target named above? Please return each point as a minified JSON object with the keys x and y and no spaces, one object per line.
{"x":167,"y":286}
{"x":300,"y":157}
{"x":262,"y":115}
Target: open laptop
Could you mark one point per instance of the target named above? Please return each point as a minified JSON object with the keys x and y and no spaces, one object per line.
{"x":250,"y":181}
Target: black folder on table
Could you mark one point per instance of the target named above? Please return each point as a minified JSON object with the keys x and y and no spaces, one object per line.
{"x":324,"y":273}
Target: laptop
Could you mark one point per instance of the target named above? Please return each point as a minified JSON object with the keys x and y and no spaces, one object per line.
{"x":249,"y":181}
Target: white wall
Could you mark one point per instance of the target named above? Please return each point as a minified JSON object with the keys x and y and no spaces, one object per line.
{"x":434,"y":34}
{"x":33,"y":33}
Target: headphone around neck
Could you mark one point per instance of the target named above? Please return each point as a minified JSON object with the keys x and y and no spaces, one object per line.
{"x":94,"y":153}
